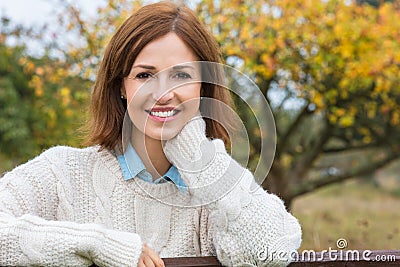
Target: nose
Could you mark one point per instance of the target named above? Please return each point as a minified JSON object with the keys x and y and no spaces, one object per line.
{"x":163,"y":94}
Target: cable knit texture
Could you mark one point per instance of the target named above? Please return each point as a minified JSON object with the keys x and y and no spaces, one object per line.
{"x":251,"y":226}
{"x":72,"y":207}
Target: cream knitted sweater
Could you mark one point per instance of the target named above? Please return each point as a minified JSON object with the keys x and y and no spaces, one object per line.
{"x":72,"y":207}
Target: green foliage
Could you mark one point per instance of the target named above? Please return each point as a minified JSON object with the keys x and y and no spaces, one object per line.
{"x":40,"y":105}
{"x":15,"y":133}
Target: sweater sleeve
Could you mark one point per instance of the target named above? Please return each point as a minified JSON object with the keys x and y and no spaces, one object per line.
{"x":30,"y":234}
{"x":251,"y":226}
{"x":246,"y":224}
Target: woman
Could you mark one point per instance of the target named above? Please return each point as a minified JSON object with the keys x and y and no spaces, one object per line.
{"x":112,"y":203}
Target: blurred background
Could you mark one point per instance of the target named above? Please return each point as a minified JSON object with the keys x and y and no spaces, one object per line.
{"x":330,"y":71}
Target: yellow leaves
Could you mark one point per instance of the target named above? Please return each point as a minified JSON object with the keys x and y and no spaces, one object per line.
{"x":343,"y":117}
{"x":61,"y":72}
{"x":346,"y":50}
{"x":68,"y":113}
{"x":367,"y":139}
{"x":39,"y":71}
{"x":346,"y":121}
{"x":371,"y":108}
{"x":37,"y":84}
{"x":267,"y":69}
{"x":344,"y":94}
{"x":366,"y":134}
{"x":364,"y":131}
{"x":22,"y":61}
{"x":39,"y":92}
{"x":29,"y":67}
{"x":331,"y":96}
{"x":231,"y":51}
{"x":65,"y":94}
{"x":51,"y":122}
{"x":332,"y":118}
{"x":340,"y":112}
{"x":339,"y":29}
{"x":395,"y":119}
{"x":382,"y":85}
{"x":286,"y":160}
{"x":318,"y":99}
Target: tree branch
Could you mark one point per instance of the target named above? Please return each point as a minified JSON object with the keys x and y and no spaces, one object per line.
{"x":305,"y":162}
{"x":285,"y":138}
{"x":350,"y":148}
{"x":308,"y":186}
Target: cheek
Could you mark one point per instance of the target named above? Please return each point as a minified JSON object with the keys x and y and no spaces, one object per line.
{"x":131,"y":93}
{"x":190,"y":95}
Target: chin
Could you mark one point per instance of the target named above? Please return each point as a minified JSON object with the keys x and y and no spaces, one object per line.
{"x":164,"y":135}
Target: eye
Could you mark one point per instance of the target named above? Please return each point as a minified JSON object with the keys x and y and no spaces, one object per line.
{"x":182,"y":76}
{"x":144,"y":76}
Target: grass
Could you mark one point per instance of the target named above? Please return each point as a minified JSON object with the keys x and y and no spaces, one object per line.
{"x":366,"y":216}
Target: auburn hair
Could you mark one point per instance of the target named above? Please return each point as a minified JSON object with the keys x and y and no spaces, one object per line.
{"x":107,"y":109}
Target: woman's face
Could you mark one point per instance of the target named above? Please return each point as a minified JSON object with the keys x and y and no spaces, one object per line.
{"x":163,"y":88}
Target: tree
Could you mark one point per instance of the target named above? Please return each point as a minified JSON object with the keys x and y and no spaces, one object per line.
{"x":339,"y":62}
{"x":334,"y":63}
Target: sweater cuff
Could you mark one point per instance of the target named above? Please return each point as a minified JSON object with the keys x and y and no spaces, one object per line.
{"x":284,"y":250}
{"x":105,"y":247}
{"x":184,"y":149}
{"x":118,"y":249}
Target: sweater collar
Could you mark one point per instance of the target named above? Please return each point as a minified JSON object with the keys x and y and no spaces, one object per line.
{"x":132,"y":166}
{"x":165,"y":192}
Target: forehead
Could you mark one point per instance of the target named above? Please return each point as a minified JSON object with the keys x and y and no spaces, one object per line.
{"x":166,"y":51}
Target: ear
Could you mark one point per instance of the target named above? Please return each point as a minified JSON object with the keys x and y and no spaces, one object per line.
{"x":123,"y":93}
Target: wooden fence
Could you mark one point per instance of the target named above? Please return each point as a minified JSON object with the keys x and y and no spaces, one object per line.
{"x":348,"y":258}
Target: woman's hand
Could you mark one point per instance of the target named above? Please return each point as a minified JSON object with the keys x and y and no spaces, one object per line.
{"x":185,"y":148}
{"x":205,"y":166}
{"x":149,"y":258}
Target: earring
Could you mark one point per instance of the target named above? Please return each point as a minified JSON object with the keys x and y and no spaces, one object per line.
{"x":123,"y":97}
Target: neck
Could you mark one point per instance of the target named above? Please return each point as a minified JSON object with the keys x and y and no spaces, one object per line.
{"x":151,"y":153}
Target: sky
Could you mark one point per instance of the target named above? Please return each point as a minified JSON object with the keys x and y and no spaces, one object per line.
{"x":37,"y":12}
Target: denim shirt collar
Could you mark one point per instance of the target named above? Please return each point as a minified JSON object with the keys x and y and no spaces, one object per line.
{"x":132,"y":166}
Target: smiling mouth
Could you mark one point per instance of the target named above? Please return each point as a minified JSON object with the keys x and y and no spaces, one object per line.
{"x":163,"y":113}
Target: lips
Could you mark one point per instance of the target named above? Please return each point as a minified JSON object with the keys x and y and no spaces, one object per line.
{"x":163,"y":112}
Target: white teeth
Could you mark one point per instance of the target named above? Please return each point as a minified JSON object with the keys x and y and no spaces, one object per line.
{"x":163,"y":114}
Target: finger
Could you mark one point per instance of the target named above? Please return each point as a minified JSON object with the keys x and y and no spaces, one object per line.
{"x":155,"y":257}
{"x":159,"y":262}
{"x":148,"y":262}
{"x":141,"y":263}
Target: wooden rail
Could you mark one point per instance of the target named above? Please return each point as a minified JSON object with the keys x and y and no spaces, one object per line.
{"x":348,"y":258}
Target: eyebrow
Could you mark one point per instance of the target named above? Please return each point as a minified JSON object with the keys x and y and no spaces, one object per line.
{"x":179,"y":67}
{"x":149,"y":67}
{"x":145,"y":67}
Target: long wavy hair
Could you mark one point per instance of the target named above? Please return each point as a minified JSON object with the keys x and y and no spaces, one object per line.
{"x":107,"y":110}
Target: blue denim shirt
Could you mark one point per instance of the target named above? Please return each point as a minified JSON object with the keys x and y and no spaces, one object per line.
{"x":132,"y":166}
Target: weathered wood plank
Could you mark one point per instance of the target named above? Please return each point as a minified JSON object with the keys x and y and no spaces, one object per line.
{"x":195,"y":262}
{"x":353,"y":258}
